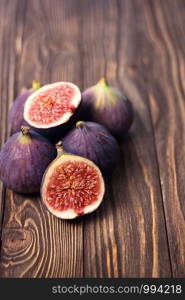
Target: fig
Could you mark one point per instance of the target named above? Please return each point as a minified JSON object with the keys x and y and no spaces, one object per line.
{"x":23,"y":160}
{"x":106,"y":105}
{"x":72,"y":186}
{"x":52,"y":109}
{"x":17,"y":109}
{"x":93,"y":141}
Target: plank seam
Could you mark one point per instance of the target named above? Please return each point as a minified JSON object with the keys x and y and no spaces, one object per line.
{"x":160,"y":187}
{"x":159,"y":175}
{"x":82,"y":87}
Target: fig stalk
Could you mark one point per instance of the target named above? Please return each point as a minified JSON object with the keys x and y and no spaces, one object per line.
{"x":36,"y":85}
{"x":60,"y":149}
{"x":25,"y":130}
{"x":80,"y":124}
{"x":103,"y":82}
{"x":25,"y":138}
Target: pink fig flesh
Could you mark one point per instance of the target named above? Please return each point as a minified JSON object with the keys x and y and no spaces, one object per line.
{"x":72,"y":186}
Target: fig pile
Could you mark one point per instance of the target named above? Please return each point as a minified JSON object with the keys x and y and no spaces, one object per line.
{"x":64,"y":143}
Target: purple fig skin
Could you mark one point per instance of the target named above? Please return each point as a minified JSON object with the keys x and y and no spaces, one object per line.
{"x":16,"y":112}
{"x":17,"y":109}
{"x":24,"y":159}
{"x":106,"y":105}
{"x":93,"y":141}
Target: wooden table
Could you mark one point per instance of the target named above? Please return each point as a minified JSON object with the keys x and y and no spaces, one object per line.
{"x":139,"y":231}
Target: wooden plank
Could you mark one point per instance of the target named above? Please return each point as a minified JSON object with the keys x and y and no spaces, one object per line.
{"x":35,"y":243}
{"x":165,"y":28}
{"x":126,"y":237}
{"x":11,"y":31}
{"x":139,"y":48}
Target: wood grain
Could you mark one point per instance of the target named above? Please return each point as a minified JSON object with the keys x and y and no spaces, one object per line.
{"x":166,"y":95}
{"x":126,"y":237}
{"x":139,"y":230}
{"x":10,"y":41}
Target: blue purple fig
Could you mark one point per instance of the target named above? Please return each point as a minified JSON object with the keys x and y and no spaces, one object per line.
{"x":24,"y":159}
{"x":17,"y":109}
{"x":106,"y":105}
{"x":95,"y":142}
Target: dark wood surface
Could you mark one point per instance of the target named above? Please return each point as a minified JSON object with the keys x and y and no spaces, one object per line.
{"x":139,"y":231}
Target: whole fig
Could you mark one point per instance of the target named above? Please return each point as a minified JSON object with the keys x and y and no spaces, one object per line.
{"x":23,"y":160}
{"x":17,"y":109}
{"x":106,"y":105}
{"x":95,"y":142}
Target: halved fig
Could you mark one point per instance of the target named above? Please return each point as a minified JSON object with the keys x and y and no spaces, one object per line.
{"x":72,"y":186}
{"x":50,"y":109}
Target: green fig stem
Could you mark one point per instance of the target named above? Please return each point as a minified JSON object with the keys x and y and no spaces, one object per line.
{"x":25,"y":138}
{"x":60,"y":148}
{"x":25,"y":130}
{"x":80,"y":124}
{"x":103,"y":82}
{"x":36,"y":85}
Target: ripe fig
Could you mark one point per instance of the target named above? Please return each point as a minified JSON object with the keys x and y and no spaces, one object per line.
{"x":72,"y":186}
{"x":93,"y":141}
{"x":16,"y":112}
{"x":52,"y":109}
{"x":106,"y":105}
{"x":23,"y":160}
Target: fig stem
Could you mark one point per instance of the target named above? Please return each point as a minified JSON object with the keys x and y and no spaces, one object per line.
{"x":25,"y":130}
{"x":60,"y":148}
{"x":80,"y":124}
{"x":36,"y":85}
{"x":103,"y":81}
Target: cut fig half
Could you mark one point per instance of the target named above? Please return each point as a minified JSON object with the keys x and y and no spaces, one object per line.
{"x":52,"y":106}
{"x":72,"y":186}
